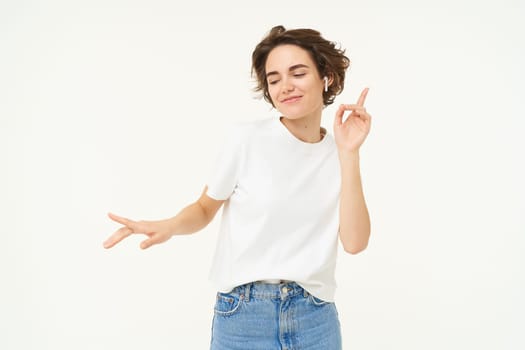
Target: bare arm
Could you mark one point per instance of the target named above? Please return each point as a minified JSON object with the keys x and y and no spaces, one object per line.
{"x":190,"y":219}
{"x":354,"y":220}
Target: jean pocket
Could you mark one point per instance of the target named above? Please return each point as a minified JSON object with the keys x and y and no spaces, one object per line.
{"x":316,"y":301}
{"x":227,"y":304}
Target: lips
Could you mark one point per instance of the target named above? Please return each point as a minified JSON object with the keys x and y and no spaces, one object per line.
{"x":291,"y":99}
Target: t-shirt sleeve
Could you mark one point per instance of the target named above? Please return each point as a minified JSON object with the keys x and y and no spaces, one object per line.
{"x":224,"y":173}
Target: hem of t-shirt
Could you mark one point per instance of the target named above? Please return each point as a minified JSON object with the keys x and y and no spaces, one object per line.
{"x":328,"y":295}
{"x":328,"y":291}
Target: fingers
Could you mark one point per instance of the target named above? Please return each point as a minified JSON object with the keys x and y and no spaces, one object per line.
{"x":158,"y":237}
{"x":361,"y":101}
{"x":352,"y":107}
{"x":357,"y":110}
{"x":135,"y":226}
{"x":148,"y":243}
{"x":130,"y":227}
{"x":120,"y":219}
{"x":339,"y":115}
{"x":118,"y":236}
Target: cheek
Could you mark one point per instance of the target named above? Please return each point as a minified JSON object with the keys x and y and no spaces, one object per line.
{"x":273,"y":92}
{"x":305,"y":85}
{"x":312,"y":85}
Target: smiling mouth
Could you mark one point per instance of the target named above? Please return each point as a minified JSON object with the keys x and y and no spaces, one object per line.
{"x":291,"y":99}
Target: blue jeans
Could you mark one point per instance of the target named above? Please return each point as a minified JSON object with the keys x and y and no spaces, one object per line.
{"x":263,"y":316}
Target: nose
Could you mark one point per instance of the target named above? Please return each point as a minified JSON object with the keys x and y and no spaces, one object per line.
{"x":287,"y":86}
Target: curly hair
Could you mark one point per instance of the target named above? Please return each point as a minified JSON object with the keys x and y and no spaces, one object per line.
{"x":329,"y":59}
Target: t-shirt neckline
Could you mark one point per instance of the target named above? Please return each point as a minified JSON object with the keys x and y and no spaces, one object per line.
{"x":295,"y":140}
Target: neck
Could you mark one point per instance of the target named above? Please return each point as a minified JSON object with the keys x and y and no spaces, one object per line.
{"x":307,"y":129}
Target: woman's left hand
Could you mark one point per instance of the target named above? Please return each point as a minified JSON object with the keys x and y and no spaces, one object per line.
{"x":351,"y":134}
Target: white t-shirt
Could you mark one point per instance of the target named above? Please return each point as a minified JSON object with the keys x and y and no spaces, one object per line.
{"x":281,"y":216}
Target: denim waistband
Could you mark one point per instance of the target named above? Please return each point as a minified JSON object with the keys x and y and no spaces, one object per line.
{"x":264,"y":290}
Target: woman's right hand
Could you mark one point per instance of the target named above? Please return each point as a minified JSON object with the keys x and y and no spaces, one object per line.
{"x":157,"y":231}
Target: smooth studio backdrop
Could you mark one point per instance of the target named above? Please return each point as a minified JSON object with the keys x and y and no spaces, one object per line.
{"x":122,"y":106}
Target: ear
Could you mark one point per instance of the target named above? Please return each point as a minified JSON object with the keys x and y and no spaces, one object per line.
{"x":330,"y":78}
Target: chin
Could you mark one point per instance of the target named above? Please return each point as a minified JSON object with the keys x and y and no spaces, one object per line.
{"x":292,"y":111}
{"x":297,"y":112}
{"x":292,"y":114}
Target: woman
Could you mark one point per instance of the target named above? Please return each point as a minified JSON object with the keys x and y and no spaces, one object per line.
{"x":289,"y":191}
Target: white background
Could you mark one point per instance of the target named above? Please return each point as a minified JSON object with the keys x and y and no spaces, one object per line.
{"x":121,"y":106}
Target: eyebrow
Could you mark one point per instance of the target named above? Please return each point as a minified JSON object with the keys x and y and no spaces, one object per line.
{"x":294,"y":67}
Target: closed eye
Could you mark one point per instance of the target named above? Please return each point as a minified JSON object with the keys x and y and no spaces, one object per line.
{"x":297,"y":75}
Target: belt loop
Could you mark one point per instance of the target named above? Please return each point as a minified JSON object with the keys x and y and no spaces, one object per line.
{"x":247,"y":292}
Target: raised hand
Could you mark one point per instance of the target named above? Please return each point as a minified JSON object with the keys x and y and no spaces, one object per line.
{"x":351,"y":134}
{"x":157,"y":231}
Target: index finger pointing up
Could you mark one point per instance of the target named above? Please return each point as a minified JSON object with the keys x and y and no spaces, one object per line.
{"x":361,"y":101}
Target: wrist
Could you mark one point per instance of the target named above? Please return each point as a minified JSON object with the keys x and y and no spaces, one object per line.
{"x":170,"y":225}
{"x":350,"y":155}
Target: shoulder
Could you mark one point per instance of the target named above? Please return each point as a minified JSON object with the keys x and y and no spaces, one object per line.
{"x":246,"y":130}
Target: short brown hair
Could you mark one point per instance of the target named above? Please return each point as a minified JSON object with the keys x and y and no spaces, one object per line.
{"x":329,"y":59}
